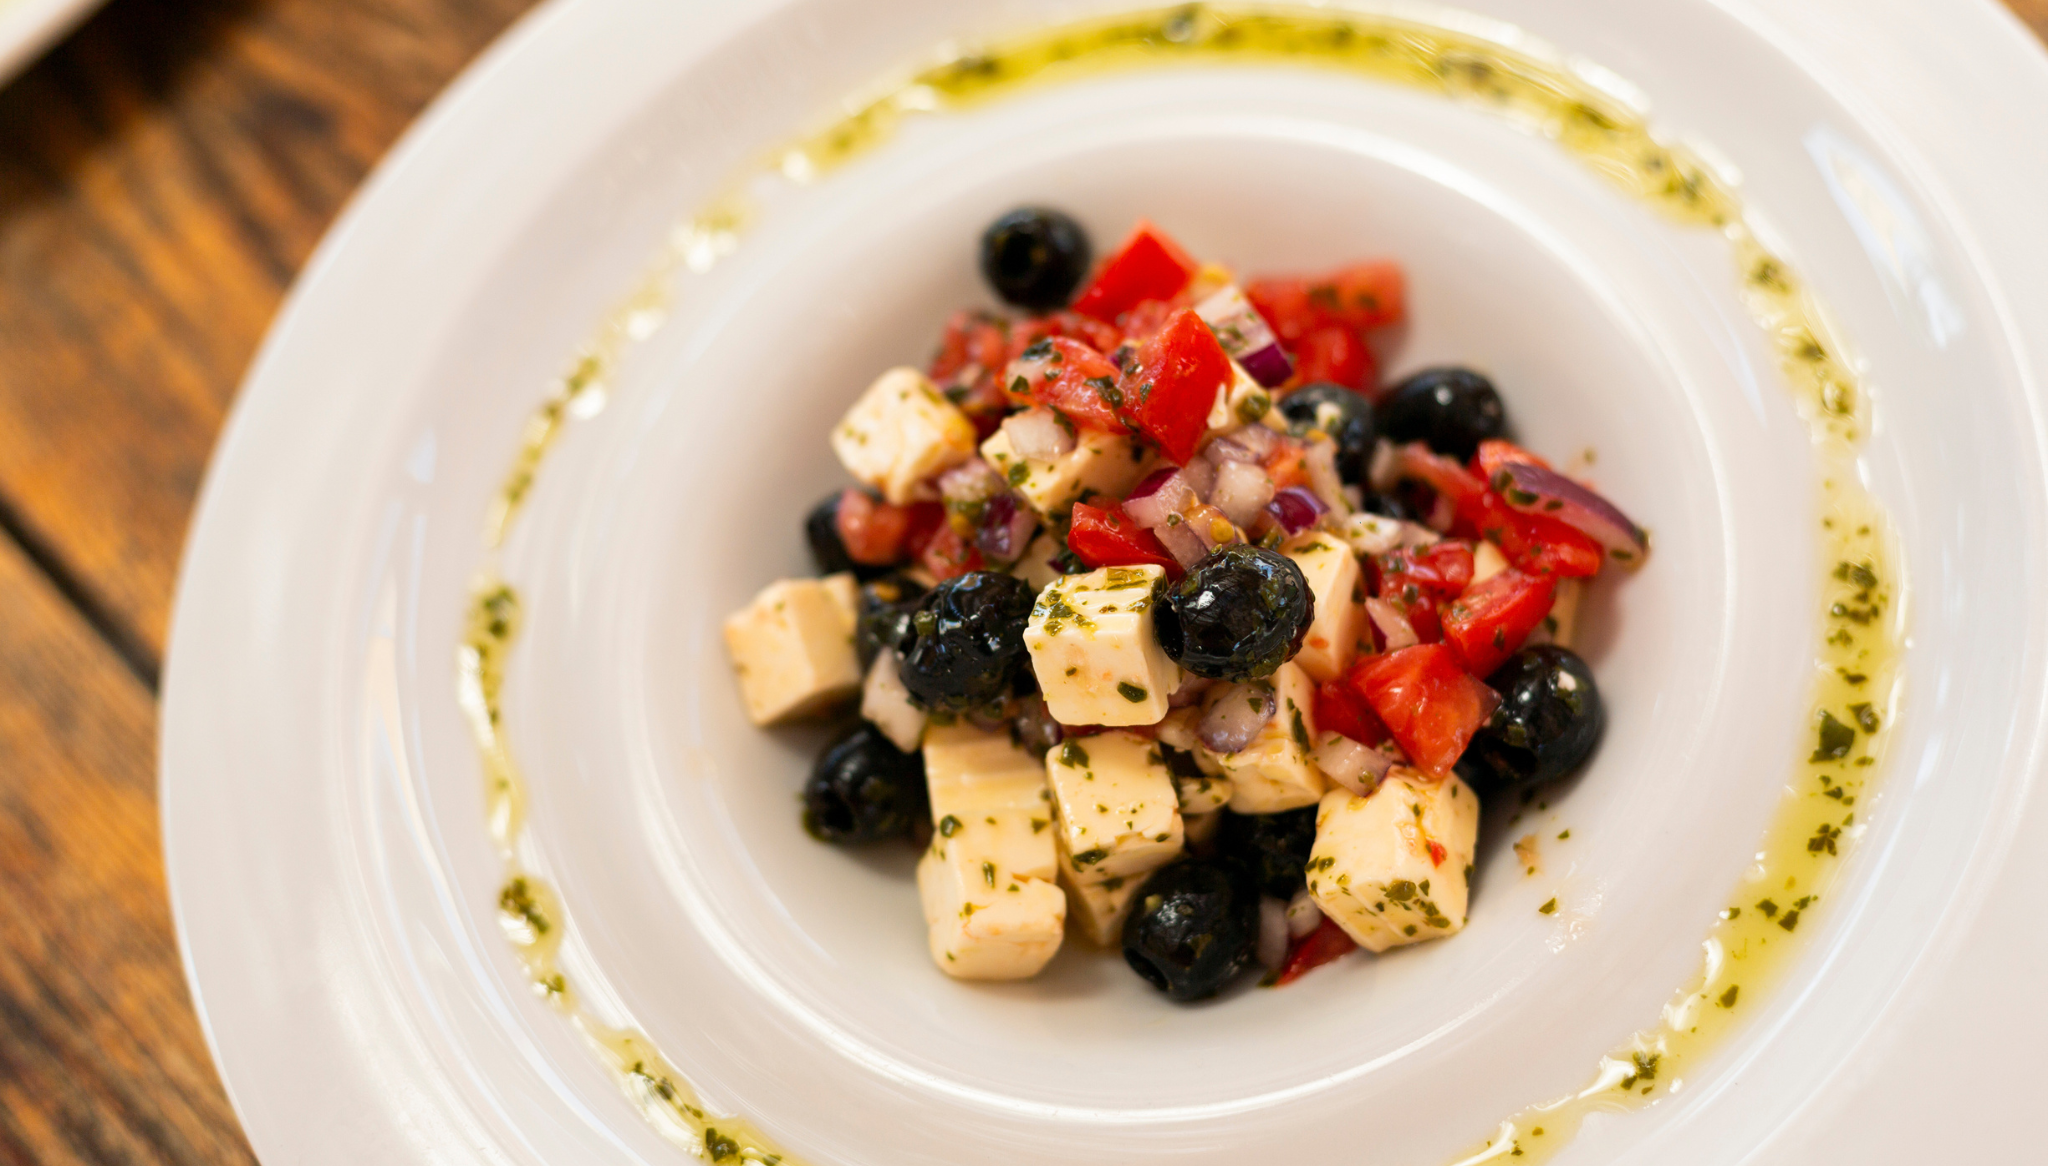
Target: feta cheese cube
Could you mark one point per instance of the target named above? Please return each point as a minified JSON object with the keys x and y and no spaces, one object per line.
{"x":989,"y":799}
{"x":1094,"y":652}
{"x":1036,"y":567}
{"x":1118,"y":812}
{"x":1100,"y":905}
{"x":1392,"y":867}
{"x":1202,"y":795}
{"x":793,"y":648}
{"x":1201,"y":828}
{"x":1100,"y":463}
{"x":1339,"y":587}
{"x":984,"y":922}
{"x":1562,"y":623}
{"x":1241,"y":401}
{"x":1487,"y":561}
{"x":900,"y":433}
{"x":886,"y":704}
{"x":1275,"y":772}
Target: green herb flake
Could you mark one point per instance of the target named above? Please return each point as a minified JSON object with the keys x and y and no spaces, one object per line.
{"x":1836,"y":739}
{"x":1073,"y":756}
{"x":1131,"y":692}
{"x":949,"y":826}
{"x":1728,"y":998}
{"x":1549,"y":907}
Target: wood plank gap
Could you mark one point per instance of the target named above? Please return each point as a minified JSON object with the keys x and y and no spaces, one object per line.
{"x":135,"y":652}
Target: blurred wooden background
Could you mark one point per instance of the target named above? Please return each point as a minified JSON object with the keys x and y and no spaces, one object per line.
{"x":163,"y":175}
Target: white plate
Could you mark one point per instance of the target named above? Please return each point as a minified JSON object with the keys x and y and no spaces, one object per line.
{"x":27,"y":27}
{"x":330,"y":868}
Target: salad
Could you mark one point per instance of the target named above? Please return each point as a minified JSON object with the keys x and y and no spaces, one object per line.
{"x":1166,"y":619}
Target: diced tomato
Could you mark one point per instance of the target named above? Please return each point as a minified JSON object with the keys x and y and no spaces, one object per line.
{"x":1108,"y":538}
{"x":1443,"y":568}
{"x":1442,"y":474}
{"x":1335,"y":353}
{"x":874,"y":532}
{"x":1172,"y":383}
{"x":971,"y":337}
{"x":1489,"y":622}
{"x":944,"y":553}
{"x":1427,"y":700}
{"x":1146,"y":320}
{"x":1327,"y":942}
{"x":1535,"y":543}
{"x":1340,"y":709}
{"x":1495,"y":453}
{"x":1092,"y":332}
{"x":1069,"y":376}
{"x":1149,"y":266}
{"x":1362,"y":296}
{"x":1287,"y":465}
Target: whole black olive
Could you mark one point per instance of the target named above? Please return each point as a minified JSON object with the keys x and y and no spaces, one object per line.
{"x":1034,"y":257}
{"x":864,"y":789}
{"x":1452,"y":410}
{"x":1239,"y":614}
{"x":966,"y":646}
{"x":1548,"y":722}
{"x":1388,"y":506}
{"x":1344,"y":415}
{"x":828,"y":550}
{"x":1193,"y":927}
{"x":1274,"y":848}
{"x":882,"y":616}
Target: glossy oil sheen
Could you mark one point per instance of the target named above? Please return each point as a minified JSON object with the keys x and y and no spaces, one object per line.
{"x":1856,"y":675}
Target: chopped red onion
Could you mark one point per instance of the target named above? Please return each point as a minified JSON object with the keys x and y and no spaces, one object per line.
{"x":1180,"y":540}
{"x":1160,"y":496}
{"x":1540,"y":491}
{"x":1235,"y":716}
{"x":1242,"y":491}
{"x":1443,"y":514}
{"x":1384,"y":471}
{"x":1394,"y":627}
{"x":1269,"y":365}
{"x":1245,"y":335}
{"x":1006,"y":528}
{"x":971,"y":481}
{"x":1200,"y":474}
{"x":1303,"y":915}
{"x":1223,"y":451}
{"x":1189,"y":693}
{"x":1356,"y":767}
{"x":1260,"y":440}
{"x":1271,"y":948}
{"x":1296,"y":509}
{"x":1322,"y":473}
{"x":1037,"y":435}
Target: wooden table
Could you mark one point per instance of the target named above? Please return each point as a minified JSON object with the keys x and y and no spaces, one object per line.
{"x":163,"y":175}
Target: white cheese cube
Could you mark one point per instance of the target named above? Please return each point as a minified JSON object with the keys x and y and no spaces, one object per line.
{"x":1100,"y":905}
{"x":1241,"y":401}
{"x":886,"y":704}
{"x":1100,"y":463}
{"x":1036,"y":567}
{"x":900,"y":433}
{"x":1202,"y":795}
{"x":985,"y":922}
{"x":1093,"y":650}
{"x":1487,"y":561}
{"x":1392,"y":867}
{"x":1118,"y":812}
{"x":1339,"y":587}
{"x":989,"y":798}
{"x":1561,"y":625}
{"x":1200,"y":828}
{"x":1275,"y":772}
{"x":793,"y":648}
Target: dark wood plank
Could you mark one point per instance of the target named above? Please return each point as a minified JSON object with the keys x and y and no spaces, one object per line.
{"x":101,"y":1059}
{"x":2034,"y":12}
{"x":163,"y":175}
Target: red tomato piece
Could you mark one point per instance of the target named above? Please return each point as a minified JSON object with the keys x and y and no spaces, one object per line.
{"x":1444,"y":569}
{"x":1489,"y":622}
{"x":1338,"y":354}
{"x":1340,"y":709}
{"x":1327,"y":942}
{"x":1145,"y":321}
{"x":875,"y":532}
{"x":1172,"y":383}
{"x":1427,"y":700}
{"x":1071,"y":377}
{"x":1495,"y":453}
{"x":971,"y":337}
{"x":1535,"y":543}
{"x":1108,"y":538}
{"x":1359,"y":297}
{"x":942,"y":551}
{"x":1442,"y":474}
{"x":1149,"y":266}
{"x":1094,"y":333}
{"x":1287,"y":465}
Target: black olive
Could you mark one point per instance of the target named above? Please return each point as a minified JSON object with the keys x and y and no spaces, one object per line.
{"x":864,"y":789}
{"x":1452,"y":410}
{"x":1273,"y":847}
{"x":1034,"y":257}
{"x":1549,"y":719}
{"x":1389,"y":506}
{"x":1344,"y":415}
{"x":967,"y":641}
{"x":1193,"y":927}
{"x":882,"y":616}
{"x":1239,"y":614}
{"x":828,"y":550}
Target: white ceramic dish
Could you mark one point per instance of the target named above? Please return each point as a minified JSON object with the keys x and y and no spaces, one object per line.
{"x":27,"y":27}
{"x":333,"y":880}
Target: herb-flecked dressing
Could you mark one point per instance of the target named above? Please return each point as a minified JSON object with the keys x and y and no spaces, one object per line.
{"x":1856,"y":663}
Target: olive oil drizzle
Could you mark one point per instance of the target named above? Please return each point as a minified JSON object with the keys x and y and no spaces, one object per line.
{"x":1856,"y":680}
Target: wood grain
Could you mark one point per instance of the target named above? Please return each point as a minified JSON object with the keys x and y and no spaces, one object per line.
{"x":2034,"y":12}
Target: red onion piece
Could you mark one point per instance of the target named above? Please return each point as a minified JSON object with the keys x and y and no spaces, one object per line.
{"x":1394,"y":627}
{"x":1200,"y":475}
{"x":1160,"y":496}
{"x":1038,"y":436}
{"x":1223,"y":451}
{"x":1260,"y":440}
{"x":1235,"y":716}
{"x":1269,"y":365}
{"x":1356,"y":767}
{"x":1180,"y":540}
{"x":1242,"y":491}
{"x":1190,"y":691}
{"x":1540,"y":491}
{"x":1296,"y":509}
{"x":1271,"y":948}
{"x":1006,"y":529}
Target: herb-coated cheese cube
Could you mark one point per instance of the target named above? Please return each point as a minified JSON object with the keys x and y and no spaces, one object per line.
{"x":1100,"y":464}
{"x":1274,"y":772}
{"x":985,"y":922}
{"x":1339,"y":587}
{"x":1100,"y":905}
{"x":989,"y":799}
{"x":885,"y":702}
{"x":1241,"y":401}
{"x":1392,"y":867}
{"x":1094,"y":652}
{"x":1203,"y":794}
{"x":900,"y":433}
{"x":793,"y":648}
{"x":1119,"y":814}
